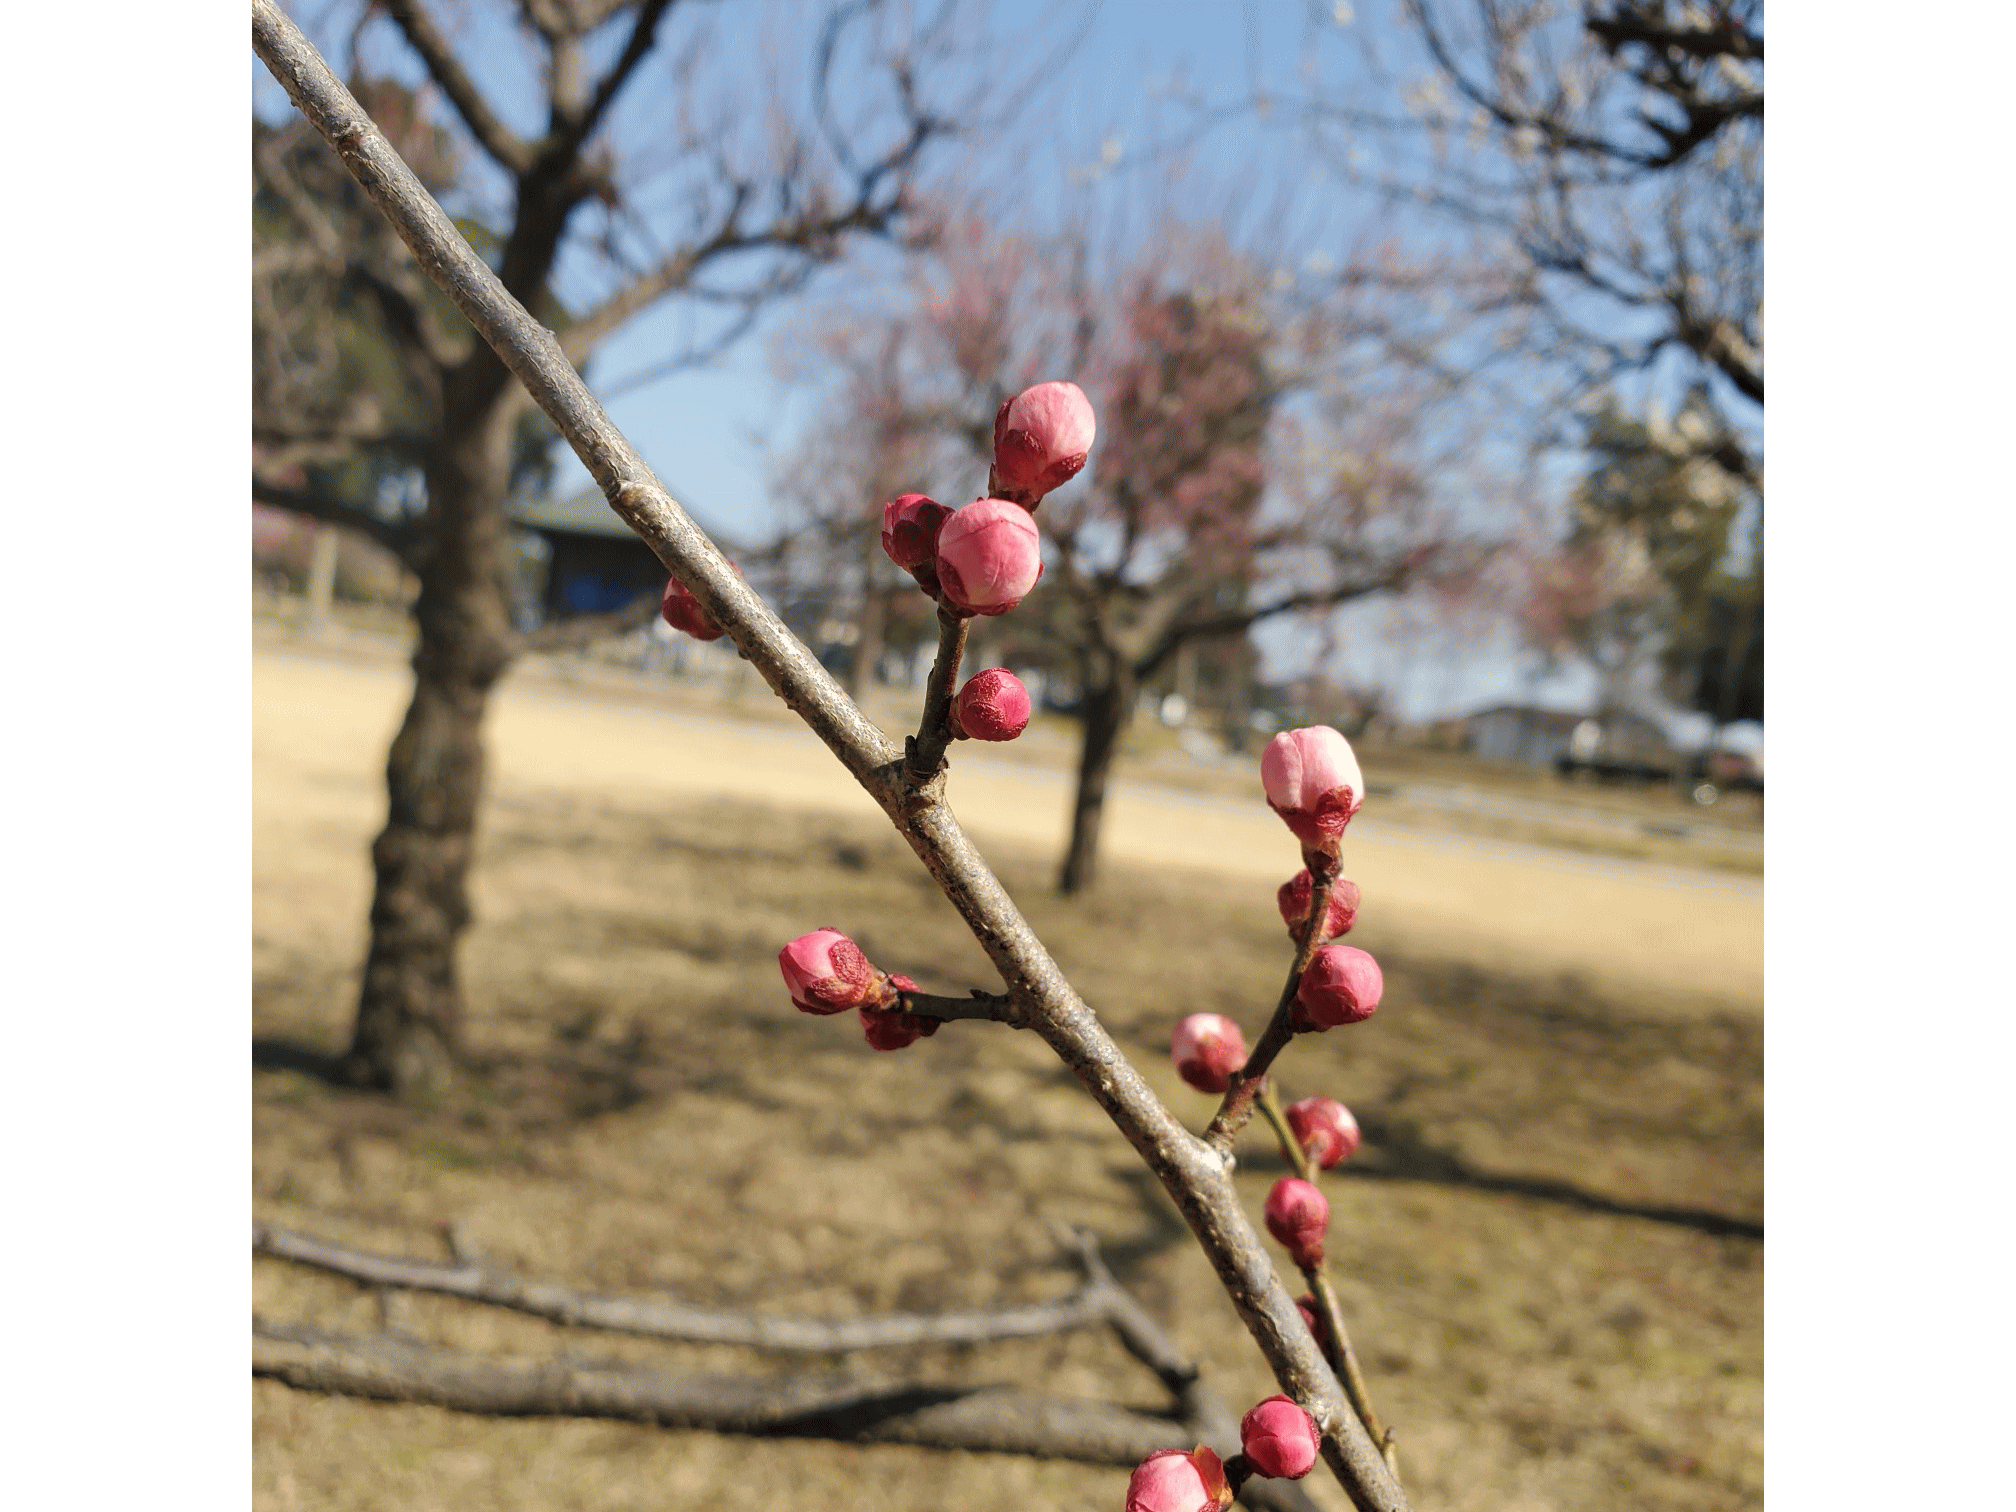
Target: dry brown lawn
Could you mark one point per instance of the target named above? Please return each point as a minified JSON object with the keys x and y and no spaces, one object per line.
{"x":649,"y":1115}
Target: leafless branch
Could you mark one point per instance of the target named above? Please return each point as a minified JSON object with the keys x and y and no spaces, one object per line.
{"x":401,"y":541}
{"x":484,"y":124}
{"x":1197,"y":1178}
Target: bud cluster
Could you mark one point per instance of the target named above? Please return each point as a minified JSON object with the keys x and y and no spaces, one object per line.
{"x":827,"y":973}
{"x":1277,"y":1440}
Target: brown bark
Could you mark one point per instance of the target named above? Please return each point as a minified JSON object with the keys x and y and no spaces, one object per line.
{"x":1104,"y":714}
{"x":408,"y":1031}
{"x":994,"y":1419}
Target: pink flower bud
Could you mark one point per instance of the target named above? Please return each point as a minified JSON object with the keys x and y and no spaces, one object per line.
{"x":891,"y":1028}
{"x":682,"y":611}
{"x":1313,"y":783}
{"x":1325,"y":1129}
{"x":1207,"y":1049}
{"x":1170,"y":1480}
{"x":1295,"y":894}
{"x":1279,"y":1439}
{"x":992,"y":706}
{"x":1041,"y":437}
{"x":910,"y":527}
{"x":1299,"y":1217}
{"x":1342,"y":986}
{"x":989,"y":557}
{"x":827,"y":973}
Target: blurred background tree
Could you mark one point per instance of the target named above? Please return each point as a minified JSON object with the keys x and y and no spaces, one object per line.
{"x":1245,"y":470}
{"x":376,"y":408}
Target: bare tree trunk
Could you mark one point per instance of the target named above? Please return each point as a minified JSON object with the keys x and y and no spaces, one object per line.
{"x":321,"y":575}
{"x":1104,"y":712}
{"x":409,"y":1015}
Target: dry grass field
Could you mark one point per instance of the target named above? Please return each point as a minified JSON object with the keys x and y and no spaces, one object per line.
{"x":1562,"y":1093}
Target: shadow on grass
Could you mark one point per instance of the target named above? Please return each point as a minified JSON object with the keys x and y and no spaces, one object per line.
{"x":286,"y":1055}
{"x":1403,"y":1157}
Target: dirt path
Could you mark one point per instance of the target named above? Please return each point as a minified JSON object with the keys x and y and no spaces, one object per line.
{"x":1641,"y":926}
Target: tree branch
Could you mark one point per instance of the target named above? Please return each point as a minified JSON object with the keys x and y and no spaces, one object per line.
{"x":1196,"y":1178}
{"x":564,"y":143}
{"x":474,"y":1280}
{"x":401,"y":541}
{"x":484,"y":124}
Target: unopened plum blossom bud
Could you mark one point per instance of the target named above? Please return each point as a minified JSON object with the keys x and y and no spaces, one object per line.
{"x":989,"y":557}
{"x":1299,"y":1217}
{"x":1041,"y":437}
{"x":682,"y":611}
{"x":1295,"y":894}
{"x":1325,"y":1129}
{"x":910,"y":527}
{"x":1342,"y":985}
{"x":891,"y":1028}
{"x":1170,"y":1480}
{"x":1313,"y":783}
{"x":827,"y":973}
{"x":1279,"y":1439}
{"x":992,"y":706}
{"x":1207,"y":1049}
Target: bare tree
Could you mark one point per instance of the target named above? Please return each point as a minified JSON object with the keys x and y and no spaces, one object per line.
{"x":370,"y":384}
{"x":1242,"y":471}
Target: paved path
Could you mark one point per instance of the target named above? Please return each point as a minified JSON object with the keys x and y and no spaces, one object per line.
{"x":1635,"y":924}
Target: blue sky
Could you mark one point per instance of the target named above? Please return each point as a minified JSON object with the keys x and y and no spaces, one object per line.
{"x":1131,"y":78}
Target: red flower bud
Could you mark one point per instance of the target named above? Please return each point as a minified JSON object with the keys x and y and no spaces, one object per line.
{"x":827,"y":973}
{"x":1325,"y":1129}
{"x":1343,"y":985}
{"x":910,"y":527}
{"x":682,"y":611}
{"x":1279,"y":1439}
{"x":989,"y":557}
{"x":1207,"y":1049}
{"x":1313,"y":782}
{"x":1041,"y":437}
{"x":1299,"y":1217}
{"x":1294,"y":897}
{"x":891,"y":1028}
{"x":992,"y":706}
{"x":1170,"y":1480}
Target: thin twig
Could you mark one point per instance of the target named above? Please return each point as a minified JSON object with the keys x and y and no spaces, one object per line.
{"x":1342,"y":1356}
{"x":980,"y":1005}
{"x":1237,"y":1107}
{"x":1196,"y":1175}
{"x":475,"y":1280}
{"x":925,"y":752}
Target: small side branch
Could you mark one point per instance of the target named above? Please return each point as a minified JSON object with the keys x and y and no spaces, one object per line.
{"x":1343,"y":1358}
{"x":1237,"y":1107}
{"x":925,"y":752}
{"x":475,"y":1280}
{"x":981,"y":1005}
{"x":835,"y":1405}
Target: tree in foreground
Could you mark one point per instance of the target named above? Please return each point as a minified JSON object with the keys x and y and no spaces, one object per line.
{"x":377,"y":408}
{"x":981,"y":561}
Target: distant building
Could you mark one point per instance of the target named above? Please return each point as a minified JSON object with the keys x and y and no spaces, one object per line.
{"x":595,"y":563}
{"x":1619,"y":741}
{"x":1535,"y":737}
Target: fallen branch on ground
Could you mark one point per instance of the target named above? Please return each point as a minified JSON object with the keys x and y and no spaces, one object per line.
{"x":1001,"y":1419}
